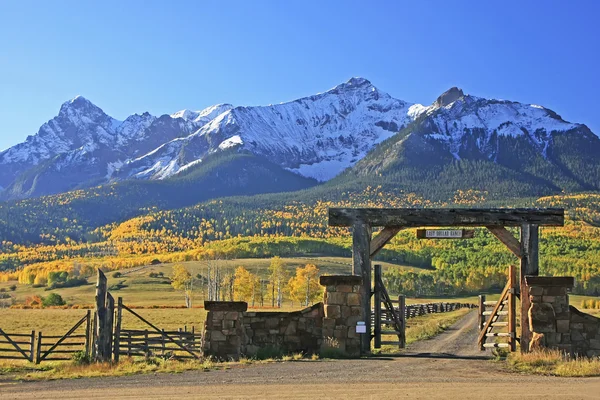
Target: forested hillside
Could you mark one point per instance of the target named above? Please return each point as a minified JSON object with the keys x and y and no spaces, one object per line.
{"x":245,"y":227}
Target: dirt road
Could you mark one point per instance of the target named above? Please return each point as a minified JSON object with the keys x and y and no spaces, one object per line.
{"x":446,"y":367}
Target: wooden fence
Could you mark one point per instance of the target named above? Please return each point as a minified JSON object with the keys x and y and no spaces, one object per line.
{"x":417,"y":310}
{"x":17,"y":346}
{"x":153,"y":341}
{"x":157,"y":344}
{"x":64,"y":347}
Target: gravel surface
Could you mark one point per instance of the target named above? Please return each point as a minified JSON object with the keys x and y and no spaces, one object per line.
{"x":446,"y":367}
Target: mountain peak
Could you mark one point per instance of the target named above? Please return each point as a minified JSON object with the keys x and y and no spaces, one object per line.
{"x":449,"y":97}
{"x":353,"y":84}
{"x":77,"y":103}
{"x":357,"y":81}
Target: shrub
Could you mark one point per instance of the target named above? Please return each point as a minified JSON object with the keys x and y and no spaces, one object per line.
{"x":117,"y":274}
{"x":68,"y":283}
{"x":53,"y":299}
{"x":153,"y":275}
{"x":81,"y":358}
{"x":2,"y":290}
{"x":155,"y":261}
{"x":33,"y":302}
{"x":12,"y":288}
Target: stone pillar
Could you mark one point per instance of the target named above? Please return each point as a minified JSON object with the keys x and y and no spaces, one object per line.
{"x":224,"y":336}
{"x":549,"y":313}
{"x":343,"y":301}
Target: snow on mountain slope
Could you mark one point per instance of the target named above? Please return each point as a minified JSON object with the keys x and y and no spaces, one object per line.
{"x":455,"y":116}
{"x":316,"y":136}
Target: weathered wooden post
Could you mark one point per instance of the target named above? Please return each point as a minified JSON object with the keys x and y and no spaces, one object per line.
{"x":38,"y":354}
{"x":481,"y":319}
{"x":88,"y":325}
{"x":361,"y":265}
{"x":529,"y":267}
{"x":102,"y":333}
{"x":110,"y":316}
{"x":32,"y":347}
{"x":94,"y":336}
{"x":117,"y":342}
{"x":377,"y":307}
{"x":512,"y":309}
{"x":402,"y":309}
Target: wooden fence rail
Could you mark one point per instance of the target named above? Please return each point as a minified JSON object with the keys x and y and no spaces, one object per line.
{"x":164,"y":343}
{"x":417,"y":310}
{"x":63,"y":347}
{"x":17,"y":346}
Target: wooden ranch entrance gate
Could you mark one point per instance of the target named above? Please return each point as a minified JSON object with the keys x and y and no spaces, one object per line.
{"x":393,"y":220}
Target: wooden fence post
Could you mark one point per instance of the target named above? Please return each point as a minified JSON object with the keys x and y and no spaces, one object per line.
{"x":512,"y":308}
{"x":117,"y":343}
{"x":94,"y":336}
{"x":38,"y":354}
{"x":87,"y":333}
{"x":481,"y":319}
{"x":377,"y":322}
{"x":110,"y":316}
{"x":31,"y":347}
{"x":402,"y":308}
{"x":102,"y":334}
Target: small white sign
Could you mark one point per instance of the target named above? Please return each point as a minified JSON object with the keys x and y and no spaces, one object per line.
{"x":361,"y":327}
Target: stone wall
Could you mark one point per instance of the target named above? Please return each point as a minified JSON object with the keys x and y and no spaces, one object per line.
{"x":231,"y":331}
{"x":288,"y":332}
{"x":224,"y":330}
{"x":556,"y":324}
{"x":343,"y":309}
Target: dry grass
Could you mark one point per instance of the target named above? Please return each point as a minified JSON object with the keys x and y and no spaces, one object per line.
{"x":553,"y":362}
{"x":71,"y":370}
{"x":56,"y":321}
{"x":141,"y":290}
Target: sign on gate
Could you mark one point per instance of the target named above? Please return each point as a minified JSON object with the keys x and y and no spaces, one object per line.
{"x":445,"y":233}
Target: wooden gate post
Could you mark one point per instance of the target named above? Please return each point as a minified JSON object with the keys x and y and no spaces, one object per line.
{"x":529,"y":267}
{"x":88,"y":335}
{"x":117,"y":342}
{"x":377,"y":322}
{"x":110,"y":316}
{"x":102,"y":334}
{"x":402,"y":311}
{"x":38,"y":354}
{"x":361,"y":265}
{"x":512,"y":309}
{"x":32,"y":347}
{"x":481,"y":320}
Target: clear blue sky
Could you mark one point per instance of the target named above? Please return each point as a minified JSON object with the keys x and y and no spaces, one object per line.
{"x":163,"y":56}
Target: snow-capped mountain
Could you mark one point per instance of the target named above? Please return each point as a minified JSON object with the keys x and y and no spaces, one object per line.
{"x":467,"y":142}
{"x":317,"y":137}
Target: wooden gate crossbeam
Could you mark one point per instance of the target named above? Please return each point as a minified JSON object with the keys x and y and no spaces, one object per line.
{"x":382,"y":238}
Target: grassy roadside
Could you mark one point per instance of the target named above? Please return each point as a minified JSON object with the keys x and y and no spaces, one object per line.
{"x":553,"y":362}
{"x":419,"y":328}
